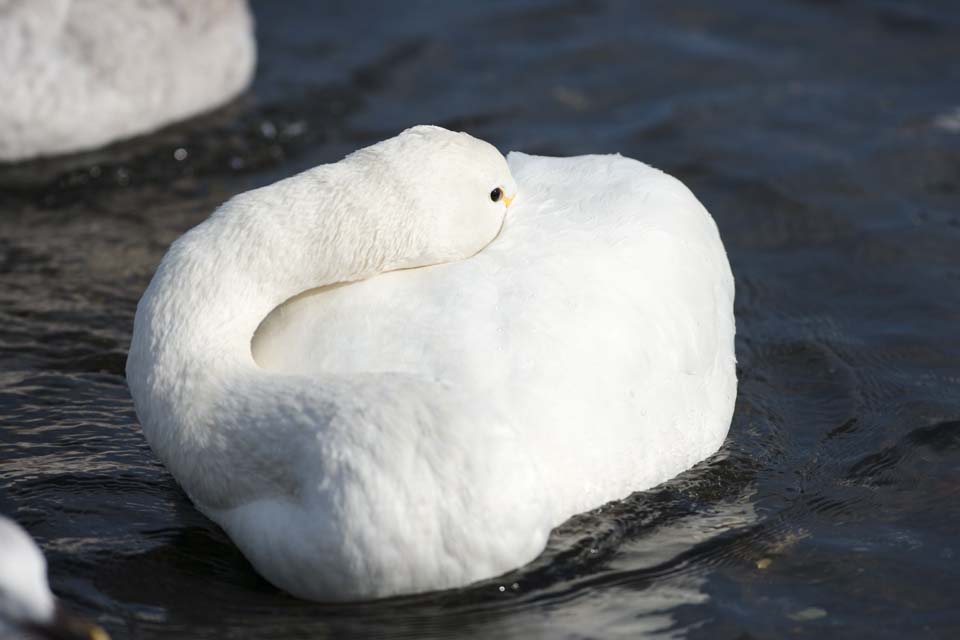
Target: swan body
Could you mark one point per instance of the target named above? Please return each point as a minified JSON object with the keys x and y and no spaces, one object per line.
{"x":78,"y":74}
{"x":424,"y":428}
{"x":26,"y":602}
{"x":25,"y":596}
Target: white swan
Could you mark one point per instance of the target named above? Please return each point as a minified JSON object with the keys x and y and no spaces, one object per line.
{"x":426,"y":428}
{"x":78,"y":74}
{"x":26,"y":603}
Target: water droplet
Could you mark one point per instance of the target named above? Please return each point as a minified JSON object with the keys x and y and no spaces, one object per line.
{"x":180,"y":154}
{"x":502,"y":588}
{"x":295,"y":129}
{"x":810,"y":613}
{"x":268,"y":129}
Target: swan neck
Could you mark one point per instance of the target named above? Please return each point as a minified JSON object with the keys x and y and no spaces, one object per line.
{"x":220,"y":280}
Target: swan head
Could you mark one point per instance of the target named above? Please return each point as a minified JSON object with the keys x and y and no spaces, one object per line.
{"x":26,"y":602}
{"x":460,"y":189}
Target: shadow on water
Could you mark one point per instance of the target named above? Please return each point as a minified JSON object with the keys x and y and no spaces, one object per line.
{"x":823,"y":137}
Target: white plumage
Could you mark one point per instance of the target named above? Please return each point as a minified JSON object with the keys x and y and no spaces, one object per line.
{"x":424,"y":428}
{"x":77,"y":74}
{"x":25,"y":597}
{"x":26,"y":603}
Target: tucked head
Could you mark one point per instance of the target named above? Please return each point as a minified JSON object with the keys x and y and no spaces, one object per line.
{"x":461,"y":186}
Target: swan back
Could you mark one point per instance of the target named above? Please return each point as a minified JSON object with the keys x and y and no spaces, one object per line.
{"x":600,"y":320}
{"x":77,"y":74}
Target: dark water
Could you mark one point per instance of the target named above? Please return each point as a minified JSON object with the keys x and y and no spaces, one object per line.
{"x":823,"y":135}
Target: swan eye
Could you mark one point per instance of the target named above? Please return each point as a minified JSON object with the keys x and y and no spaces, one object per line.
{"x":496,"y":194}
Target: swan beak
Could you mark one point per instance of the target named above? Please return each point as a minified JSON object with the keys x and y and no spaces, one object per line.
{"x":68,"y":627}
{"x":507,"y":200}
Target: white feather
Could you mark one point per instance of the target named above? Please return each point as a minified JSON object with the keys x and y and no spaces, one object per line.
{"x":25,"y":597}
{"x":424,"y":428}
{"x":77,"y":74}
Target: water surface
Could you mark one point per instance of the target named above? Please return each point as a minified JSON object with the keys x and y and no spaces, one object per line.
{"x":823,"y":136}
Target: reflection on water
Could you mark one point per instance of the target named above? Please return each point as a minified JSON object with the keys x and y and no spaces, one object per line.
{"x":820,"y":135}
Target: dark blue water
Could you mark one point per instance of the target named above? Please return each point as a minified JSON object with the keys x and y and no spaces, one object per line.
{"x":824,"y":136}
